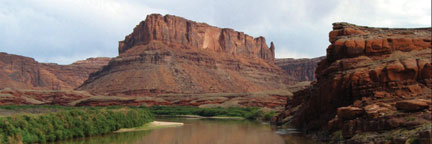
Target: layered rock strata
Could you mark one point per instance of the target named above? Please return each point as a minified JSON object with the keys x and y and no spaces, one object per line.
{"x":372,"y":80}
{"x":169,"y":54}
{"x":300,"y":69}
{"x":25,"y":73}
{"x":269,"y":99}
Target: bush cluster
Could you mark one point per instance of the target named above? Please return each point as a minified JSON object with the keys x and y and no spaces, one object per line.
{"x":69,"y":124}
{"x":251,"y":113}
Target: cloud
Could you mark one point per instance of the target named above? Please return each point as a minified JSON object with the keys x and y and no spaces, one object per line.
{"x":68,"y":30}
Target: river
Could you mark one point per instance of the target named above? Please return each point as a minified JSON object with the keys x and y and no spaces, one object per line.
{"x":201,"y":131}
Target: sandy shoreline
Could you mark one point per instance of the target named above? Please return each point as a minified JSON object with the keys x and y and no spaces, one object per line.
{"x":151,"y":125}
{"x":203,"y":117}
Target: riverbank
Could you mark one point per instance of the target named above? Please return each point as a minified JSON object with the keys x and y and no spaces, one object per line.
{"x":47,"y":123}
{"x":204,"y":117}
{"x":67,"y":124}
{"x":250,"y":113}
{"x":151,"y":126}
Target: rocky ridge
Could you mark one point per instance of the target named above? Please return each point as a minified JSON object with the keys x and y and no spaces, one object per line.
{"x":300,"y":69}
{"x":21,"y":72}
{"x":169,"y":54}
{"x":373,"y":86}
{"x":268,"y":99}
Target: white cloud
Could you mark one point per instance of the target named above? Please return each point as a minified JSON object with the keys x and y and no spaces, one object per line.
{"x":67,"y":30}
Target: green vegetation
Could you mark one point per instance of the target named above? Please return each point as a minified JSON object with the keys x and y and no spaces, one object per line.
{"x":413,"y":141}
{"x":250,"y":113}
{"x":68,"y":124}
{"x":337,"y":136}
{"x":44,"y":123}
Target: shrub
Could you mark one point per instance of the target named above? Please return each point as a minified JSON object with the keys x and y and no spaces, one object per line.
{"x":248,"y":113}
{"x":69,"y":124}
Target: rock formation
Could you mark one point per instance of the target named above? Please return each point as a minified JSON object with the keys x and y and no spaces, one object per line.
{"x":269,"y":99}
{"x":10,"y":96}
{"x":372,"y":80}
{"x":21,"y":72}
{"x":169,"y":54}
{"x":300,"y":69}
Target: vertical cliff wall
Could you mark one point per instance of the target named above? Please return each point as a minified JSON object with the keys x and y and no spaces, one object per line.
{"x":299,"y":69}
{"x":372,"y":79}
{"x":178,"y":32}
{"x":169,"y":54}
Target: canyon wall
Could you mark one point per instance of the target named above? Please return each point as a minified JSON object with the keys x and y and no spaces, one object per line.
{"x":372,"y":80}
{"x":299,"y":69}
{"x":173,"y":31}
{"x":169,"y":54}
{"x":21,"y":72}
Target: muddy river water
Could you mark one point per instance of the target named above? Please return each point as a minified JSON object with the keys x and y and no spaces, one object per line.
{"x":201,"y":131}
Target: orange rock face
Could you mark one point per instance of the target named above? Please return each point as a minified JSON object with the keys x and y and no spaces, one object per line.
{"x":178,"y":32}
{"x":169,"y":54}
{"x":371,"y":69}
{"x":411,"y":105}
{"x":25,"y":73}
{"x":299,"y":69}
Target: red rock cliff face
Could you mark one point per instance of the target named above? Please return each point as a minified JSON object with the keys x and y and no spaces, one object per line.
{"x":25,"y":73}
{"x":169,"y":54}
{"x":366,"y":82}
{"x":300,"y":69}
{"x":175,"y":31}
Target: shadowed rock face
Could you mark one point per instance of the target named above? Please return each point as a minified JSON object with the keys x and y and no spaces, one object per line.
{"x":364,"y":81}
{"x":299,"y":69}
{"x":25,"y":73}
{"x":169,"y":54}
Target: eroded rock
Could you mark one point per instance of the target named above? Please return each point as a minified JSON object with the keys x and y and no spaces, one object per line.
{"x":349,"y":112}
{"x":169,"y":54}
{"x":411,"y":105}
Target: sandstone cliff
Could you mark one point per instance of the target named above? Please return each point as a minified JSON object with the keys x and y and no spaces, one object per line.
{"x":25,"y":73}
{"x":372,"y":80}
{"x":299,"y":69}
{"x":169,"y":54}
{"x":179,"y":33}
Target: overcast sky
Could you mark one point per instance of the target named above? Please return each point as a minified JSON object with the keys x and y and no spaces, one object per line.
{"x":64,"y":31}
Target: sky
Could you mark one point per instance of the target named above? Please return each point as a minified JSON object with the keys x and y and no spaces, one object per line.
{"x":64,"y":31}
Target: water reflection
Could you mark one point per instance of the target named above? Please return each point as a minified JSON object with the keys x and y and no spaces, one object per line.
{"x":199,"y":131}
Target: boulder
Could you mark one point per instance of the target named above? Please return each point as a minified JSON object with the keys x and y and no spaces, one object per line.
{"x":411,"y":105}
{"x":349,"y":112}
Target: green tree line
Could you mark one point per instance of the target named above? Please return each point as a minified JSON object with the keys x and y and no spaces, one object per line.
{"x":69,"y":124}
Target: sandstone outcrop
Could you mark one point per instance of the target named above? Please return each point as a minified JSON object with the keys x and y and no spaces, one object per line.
{"x":269,"y":99}
{"x":169,"y":54}
{"x":21,"y":72}
{"x":299,"y":69}
{"x":179,"y":33}
{"x":10,"y":96}
{"x":411,"y":105}
{"x":349,"y":112}
{"x":374,"y":70}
